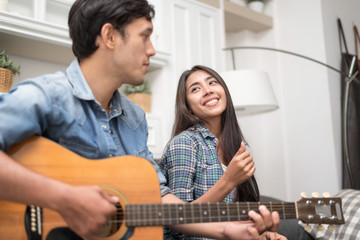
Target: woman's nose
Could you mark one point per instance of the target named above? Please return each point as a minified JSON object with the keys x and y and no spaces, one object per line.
{"x":207,"y":90}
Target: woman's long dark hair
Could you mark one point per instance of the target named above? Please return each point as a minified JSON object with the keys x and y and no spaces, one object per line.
{"x":231,"y":135}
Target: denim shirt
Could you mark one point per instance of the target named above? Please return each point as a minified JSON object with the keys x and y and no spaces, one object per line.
{"x":62,"y":107}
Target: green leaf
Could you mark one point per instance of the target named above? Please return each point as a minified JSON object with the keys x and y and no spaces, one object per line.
{"x":8,"y":64}
{"x":143,"y":88}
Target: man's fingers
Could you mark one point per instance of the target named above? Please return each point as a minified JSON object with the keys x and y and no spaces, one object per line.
{"x":264,"y":221}
{"x":266,"y":216}
{"x":253,"y":232}
{"x":276,"y":221}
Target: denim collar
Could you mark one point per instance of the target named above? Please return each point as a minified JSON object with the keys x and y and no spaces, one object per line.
{"x":76,"y":78}
{"x":81,"y":89}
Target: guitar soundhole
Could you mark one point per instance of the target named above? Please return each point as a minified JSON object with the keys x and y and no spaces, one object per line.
{"x":114,"y":224}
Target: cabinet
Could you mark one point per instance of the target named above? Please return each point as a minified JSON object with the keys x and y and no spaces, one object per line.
{"x":155,"y":135}
{"x":196,"y":35}
{"x":239,"y":17}
{"x":38,"y":29}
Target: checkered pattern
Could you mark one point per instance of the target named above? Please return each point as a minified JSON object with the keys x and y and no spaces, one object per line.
{"x":351,"y":210}
{"x":191,"y":166}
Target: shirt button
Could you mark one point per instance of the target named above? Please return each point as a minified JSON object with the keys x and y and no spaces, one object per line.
{"x":115,"y":110}
{"x":110,"y":155}
{"x":111,"y":132}
{"x":103,"y":126}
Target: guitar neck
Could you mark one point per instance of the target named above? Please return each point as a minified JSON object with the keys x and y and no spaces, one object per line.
{"x":170,"y":214}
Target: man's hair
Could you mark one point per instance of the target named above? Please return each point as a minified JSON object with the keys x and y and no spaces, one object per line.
{"x":231,"y":135}
{"x":86,"y":18}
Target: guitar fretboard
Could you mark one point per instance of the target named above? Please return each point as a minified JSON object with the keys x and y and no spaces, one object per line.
{"x":169,"y":214}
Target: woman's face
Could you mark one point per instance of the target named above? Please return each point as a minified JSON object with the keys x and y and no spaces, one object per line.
{"x":205,"y":96}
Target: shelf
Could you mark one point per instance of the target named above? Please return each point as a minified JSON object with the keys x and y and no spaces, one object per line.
{"x":239,"y":18}
{"x":214,"y":3}
{"x":25,"y":36}
{"x":28,"y":37}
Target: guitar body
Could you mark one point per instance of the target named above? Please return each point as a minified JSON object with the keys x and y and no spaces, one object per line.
{"x":132,"y":179}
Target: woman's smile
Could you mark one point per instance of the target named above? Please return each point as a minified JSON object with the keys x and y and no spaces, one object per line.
{"x":211,"y":102}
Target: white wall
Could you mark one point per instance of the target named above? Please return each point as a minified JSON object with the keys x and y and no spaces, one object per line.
{"x":32,"y":67}
{"x":297,"y":148}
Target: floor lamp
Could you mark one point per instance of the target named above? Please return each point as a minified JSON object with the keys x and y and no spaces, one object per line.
{"x":250,"y":90}
{"x":349,"y":77}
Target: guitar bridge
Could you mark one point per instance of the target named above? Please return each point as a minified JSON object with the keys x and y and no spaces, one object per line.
{"x":33,"y":222}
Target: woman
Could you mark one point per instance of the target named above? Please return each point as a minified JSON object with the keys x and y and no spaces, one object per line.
{"x":206,"y":159}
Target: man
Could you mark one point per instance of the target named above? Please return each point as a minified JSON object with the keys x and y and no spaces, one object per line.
{"x":82,"y":110}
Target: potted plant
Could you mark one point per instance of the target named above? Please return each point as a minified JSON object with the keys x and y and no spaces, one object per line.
{"x":256,"y":5}
{"x":140,"y":95}
{"x":7,"y":71}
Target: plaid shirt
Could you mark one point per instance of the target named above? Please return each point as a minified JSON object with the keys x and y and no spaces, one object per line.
{"x":191,"y":167}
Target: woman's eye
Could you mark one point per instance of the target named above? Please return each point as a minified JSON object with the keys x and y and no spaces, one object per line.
{"x":194,"y":89}
{"x":212,"y":82}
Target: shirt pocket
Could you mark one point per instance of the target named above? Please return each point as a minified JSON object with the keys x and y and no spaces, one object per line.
{"x":83,"y":150}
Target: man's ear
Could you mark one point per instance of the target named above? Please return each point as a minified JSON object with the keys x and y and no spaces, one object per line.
{"x":108,"y":35}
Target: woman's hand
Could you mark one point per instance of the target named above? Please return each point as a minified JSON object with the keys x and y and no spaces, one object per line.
{"x":240,"y":168}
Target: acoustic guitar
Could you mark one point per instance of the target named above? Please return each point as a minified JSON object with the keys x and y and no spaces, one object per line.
{"x":134,"y":181}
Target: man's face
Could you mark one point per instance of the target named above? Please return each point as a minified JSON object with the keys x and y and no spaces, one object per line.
{"x":132,"y":56}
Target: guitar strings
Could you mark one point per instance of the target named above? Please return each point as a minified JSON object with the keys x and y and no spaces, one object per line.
{"x":225,"y":212}
{"x":168,"y":214}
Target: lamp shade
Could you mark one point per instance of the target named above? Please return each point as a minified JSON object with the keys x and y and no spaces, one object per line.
{"x":250,"y":91}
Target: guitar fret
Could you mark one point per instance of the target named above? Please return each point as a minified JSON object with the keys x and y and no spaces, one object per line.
{"x":157,"y":214}
{"x":238,"y":210}
{"x":192,"y":211}
{"x":163,"y":214}
{"x":149,"y":214}
{"x":205,"y":214}
{"x":284,"y":215}
{"x":223,"y":212}
{"x":170,"y":212}
{"x":143,"y":209}
{"x":181,"y":216}
{"x":139,"y":215}
{"x":228,"y":212}
{"x":177,"y":214}
{"x":209,"y":209}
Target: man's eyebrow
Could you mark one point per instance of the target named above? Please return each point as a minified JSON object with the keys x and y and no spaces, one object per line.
{"x":148,"y":30}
